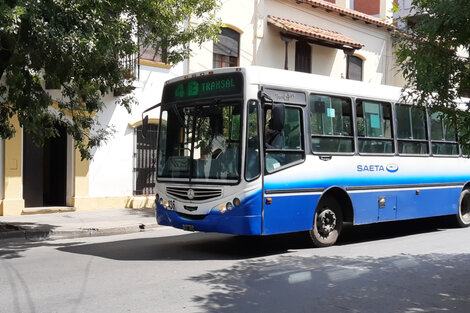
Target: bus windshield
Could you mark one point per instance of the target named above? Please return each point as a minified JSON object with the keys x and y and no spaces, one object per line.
{"x":200,"y":141}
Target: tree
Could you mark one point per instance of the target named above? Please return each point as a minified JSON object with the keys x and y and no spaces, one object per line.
{"x":78,"y":47}
{"x":432,"y":52}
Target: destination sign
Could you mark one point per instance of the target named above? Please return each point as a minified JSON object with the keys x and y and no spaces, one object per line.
{"x":286,"y":96}
{"x":204,"y":86}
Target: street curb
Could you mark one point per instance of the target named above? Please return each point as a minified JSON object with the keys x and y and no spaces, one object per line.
{"x":40,"y":235}
{"x":97,"y":232}
{"x":47,"y":210}
{"x":12,"y":234}
{"x":25,"y":234}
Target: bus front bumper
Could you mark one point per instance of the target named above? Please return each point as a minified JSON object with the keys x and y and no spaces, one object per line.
{"x":213,"y":222}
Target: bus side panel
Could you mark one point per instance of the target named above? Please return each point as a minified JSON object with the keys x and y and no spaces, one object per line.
{"x":428,"y":202}
{"x":289,"y":213}
{"x":365,"y":206}
{"x":403,"y":204}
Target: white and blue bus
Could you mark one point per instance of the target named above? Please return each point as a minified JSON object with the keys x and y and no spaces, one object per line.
{"x":261,"y":151}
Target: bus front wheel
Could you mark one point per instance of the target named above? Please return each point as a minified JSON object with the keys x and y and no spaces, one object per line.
{"x":327,"y":223}
{"x":463,"y":216}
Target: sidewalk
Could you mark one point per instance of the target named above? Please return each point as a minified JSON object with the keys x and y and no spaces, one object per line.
{"x":77,"y":224}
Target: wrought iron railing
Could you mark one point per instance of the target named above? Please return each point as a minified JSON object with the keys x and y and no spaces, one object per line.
{"x":145,"y":160}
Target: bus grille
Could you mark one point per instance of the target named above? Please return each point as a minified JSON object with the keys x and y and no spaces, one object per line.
{"x":200,"y":194}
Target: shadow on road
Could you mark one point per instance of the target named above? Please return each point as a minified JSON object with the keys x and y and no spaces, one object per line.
{"x":267,"y":278}
{"x":203,"y":246}
{"x":389,"y":230}
{"x":404,"y":283}
{"x":191,"y":246}
{"x":12,"y":249}
{"x":209,"y":246}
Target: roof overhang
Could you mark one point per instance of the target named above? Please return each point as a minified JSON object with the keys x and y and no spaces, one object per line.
{"x":314,"y":35}
{"x":329,"y":7}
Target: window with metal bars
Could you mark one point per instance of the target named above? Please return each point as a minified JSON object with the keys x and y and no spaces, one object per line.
{"x":145,"y":160}
{"x":303,"y":57}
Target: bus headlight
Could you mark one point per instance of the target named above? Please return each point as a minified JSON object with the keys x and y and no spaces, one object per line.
{"x":236,"y":202}
{"x":229,"y":205}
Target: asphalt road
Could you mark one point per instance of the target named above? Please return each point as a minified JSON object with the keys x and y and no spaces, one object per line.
{"x":393,"y":267}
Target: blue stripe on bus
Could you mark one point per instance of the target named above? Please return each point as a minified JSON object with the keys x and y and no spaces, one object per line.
{"x":404,"y":204}
{"x":346,"y":182}
{"x":294,"y":212}
{"x":294,"y":204}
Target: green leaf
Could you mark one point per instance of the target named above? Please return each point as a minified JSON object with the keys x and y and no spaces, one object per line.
{"x":77,"y":47}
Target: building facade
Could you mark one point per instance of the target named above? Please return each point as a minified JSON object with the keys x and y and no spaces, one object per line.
{"x":348,"y":39}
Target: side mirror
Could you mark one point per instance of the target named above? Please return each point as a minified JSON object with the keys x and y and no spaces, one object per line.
{"x":145,"y":120}
{"x":145,"y":124}
{"x":278,"y":112}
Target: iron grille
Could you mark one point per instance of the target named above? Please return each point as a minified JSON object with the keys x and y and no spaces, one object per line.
{"x":200,"y":194}
{"x":130,"y":65}
{"x":145,"y":158}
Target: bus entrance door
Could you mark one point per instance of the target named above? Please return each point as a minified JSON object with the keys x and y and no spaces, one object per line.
{"x":387,"y":208}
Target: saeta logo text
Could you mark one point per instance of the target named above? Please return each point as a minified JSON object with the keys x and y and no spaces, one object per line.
{"x":392,"y":168}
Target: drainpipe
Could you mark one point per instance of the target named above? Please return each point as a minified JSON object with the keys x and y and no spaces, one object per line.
{"x":286,"y":40}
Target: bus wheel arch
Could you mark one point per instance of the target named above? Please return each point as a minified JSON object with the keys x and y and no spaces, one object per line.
{"x":463,"y":214}
{"x":333,"y":209}
{"x":344,"y":202}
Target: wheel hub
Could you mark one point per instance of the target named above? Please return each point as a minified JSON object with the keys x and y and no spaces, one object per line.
{"x":326,"y":222}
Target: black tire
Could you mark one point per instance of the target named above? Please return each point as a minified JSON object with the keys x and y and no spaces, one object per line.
{"x":463,"y":216}
{"x":327,"y":223}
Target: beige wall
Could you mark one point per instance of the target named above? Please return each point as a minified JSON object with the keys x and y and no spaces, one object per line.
{"x":344,"y":3}
{"x":260,"y":43}
{"x":2,"y":176}
{"x":240,"y":16}
{"x":12,"y":201}
{"x":375,"y":40}
{"x":386,"y":9}
{"x":327,"y":61}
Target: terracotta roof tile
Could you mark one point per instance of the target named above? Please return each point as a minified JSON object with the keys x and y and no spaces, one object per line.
{"x":346,"y":12}
{"x":314,"y":32}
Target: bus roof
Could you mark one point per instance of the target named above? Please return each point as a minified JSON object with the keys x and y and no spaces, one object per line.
{"x":298,"y":81}
{"x":321,"y":84}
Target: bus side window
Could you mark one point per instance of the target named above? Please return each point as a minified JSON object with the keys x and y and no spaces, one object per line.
{"x":331,"y":124}
{"x":443,"y":136}
{"x":287,"y":147}
{"x":411,"y":129}
{"x":374,"y":127}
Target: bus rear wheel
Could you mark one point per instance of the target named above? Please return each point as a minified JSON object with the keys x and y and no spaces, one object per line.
{"x":327,"y":223}
{"x":463,"y":216}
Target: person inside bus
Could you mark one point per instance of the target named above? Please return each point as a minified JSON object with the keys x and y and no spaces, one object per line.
{"x":274,"y":137}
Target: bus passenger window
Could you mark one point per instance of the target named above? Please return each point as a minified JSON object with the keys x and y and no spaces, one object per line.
{"x":285,"y":146}
{"x":443,"y":136}
{"x":331,"y":124}
{"x":374,"y":127}
{"x":411,"y":130}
